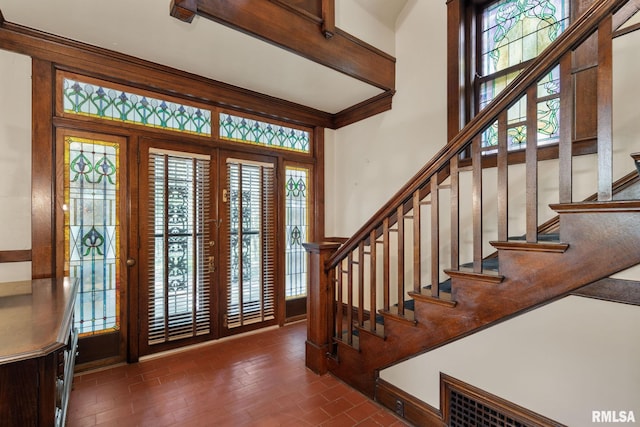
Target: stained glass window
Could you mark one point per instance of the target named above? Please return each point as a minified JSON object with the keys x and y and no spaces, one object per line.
{"x":92,"y":231}
{"x":104,"y":102}
{"x":242,"y":129}
{"x":513,"y":32}
{"x":297,"y":231}
{"x":548,"y":95}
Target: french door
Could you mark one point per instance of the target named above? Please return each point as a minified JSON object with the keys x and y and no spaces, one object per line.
{"x":248,"y":244}
{"x":207,"y":245}
{"x":177,"y":238}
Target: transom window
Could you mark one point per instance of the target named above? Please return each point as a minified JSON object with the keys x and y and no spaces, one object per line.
{"x":111,"y":102}
{"x":97,"y":99}
{"x":251,"y":131}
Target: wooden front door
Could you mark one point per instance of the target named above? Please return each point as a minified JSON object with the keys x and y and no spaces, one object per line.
{"x":248,"y":243}
{"x":178,"y":232}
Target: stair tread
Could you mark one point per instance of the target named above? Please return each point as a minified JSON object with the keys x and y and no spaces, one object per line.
{"x":490,"y":264}
{"x":409,"y":315}
{"x":540,"y":246}
{"x":597,"y":206}
{"x":490,"y":276}
{"x":444,"y":298}
{"x":547,"y":237}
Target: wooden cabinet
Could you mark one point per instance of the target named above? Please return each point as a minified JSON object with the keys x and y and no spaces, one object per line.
{"x":37,"y":351}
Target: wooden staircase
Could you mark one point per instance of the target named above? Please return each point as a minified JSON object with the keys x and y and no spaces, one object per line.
{"x":359,"y":320}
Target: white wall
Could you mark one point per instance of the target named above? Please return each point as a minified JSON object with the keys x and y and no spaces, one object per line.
{"x":562,"y":361}
{"x":626,"y":99}
{"x":355,"y":17}
{"x":15,"y":161}
{"x":370,"y":160}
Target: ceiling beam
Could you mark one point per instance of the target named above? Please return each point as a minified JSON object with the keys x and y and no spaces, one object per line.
{"x":315,"y":39}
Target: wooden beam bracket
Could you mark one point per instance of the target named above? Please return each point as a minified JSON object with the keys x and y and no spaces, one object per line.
{"x":184,"y":10}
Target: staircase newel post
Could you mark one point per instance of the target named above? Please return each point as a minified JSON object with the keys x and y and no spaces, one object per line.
{"x":320,"y":306}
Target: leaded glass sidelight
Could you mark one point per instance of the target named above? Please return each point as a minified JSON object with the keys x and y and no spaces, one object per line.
{"x":297,"y":231}
{"x":251,"y":131}
{"x":92,"y":231}
{"x":178,"y":281}
{"x":108,"y":102}
{"x":512,"y":33}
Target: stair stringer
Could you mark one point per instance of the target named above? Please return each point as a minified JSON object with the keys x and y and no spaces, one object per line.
{"x":603,"y":239}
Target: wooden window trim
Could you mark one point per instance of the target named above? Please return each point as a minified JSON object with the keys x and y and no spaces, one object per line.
{"x":15,"y":256}
{"x":462,"y":33}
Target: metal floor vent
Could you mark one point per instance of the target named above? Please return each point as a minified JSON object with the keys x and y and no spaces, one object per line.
{"x":467,"y":412}
{"x":467,"y":406}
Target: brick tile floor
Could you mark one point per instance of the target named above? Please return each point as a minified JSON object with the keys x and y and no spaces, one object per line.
{"x":251,"y":380}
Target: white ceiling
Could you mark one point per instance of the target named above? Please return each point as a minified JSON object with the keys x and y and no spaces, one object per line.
{"x":144,"y":29}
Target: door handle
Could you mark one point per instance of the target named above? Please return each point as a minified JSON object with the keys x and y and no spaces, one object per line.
{"x":131,"y":262}
{"x":212,"y":265}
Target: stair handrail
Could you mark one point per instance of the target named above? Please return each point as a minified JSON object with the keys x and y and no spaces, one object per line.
{"x":571,"y":38}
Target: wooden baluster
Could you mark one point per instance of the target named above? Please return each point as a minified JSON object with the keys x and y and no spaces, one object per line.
{"x":400,"y":285}
{"x":339,"y":305}
{"x":385,"y":264}
{"x":476,"y":160}
{"x":435,"y":238}
{"x":503,"y":178}
{"x":350,"y":299}
{"x":565,"y":156}
{"x":417,"y":253}
{"x":605,"y":111}
{"x":373,"y":281}
{"x":531,"y":154}
{"x":361,"y":283}
{"x":455,"y":213}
